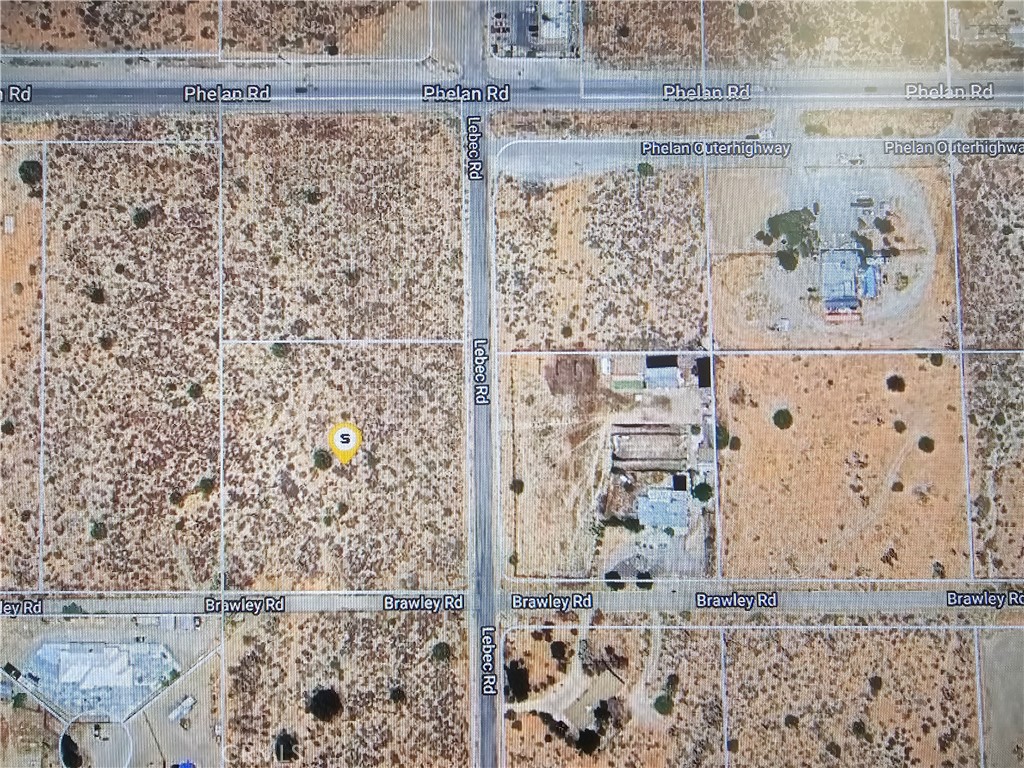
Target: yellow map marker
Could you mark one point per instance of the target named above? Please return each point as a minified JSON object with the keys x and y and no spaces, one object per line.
{"x":345,"y":440}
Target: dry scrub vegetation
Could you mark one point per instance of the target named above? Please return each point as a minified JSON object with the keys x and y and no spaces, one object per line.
{"x":825,"y":33}
{"x":567,"y":124}
{"x":21,"y":191}
{"x":616,"y":261}
{"x":131,"y":367}
{"x":108,"y":26}
{"x":855,"y":464}
{"x":641,"y":33}
{"x":394,"y":517}
{"x":996,"y":429}
{"x":401,"y":700}
{"x":346,"y":28}
{"x":342,"y":227}
{"x":990,"y":212}
{"x":852,"y":698}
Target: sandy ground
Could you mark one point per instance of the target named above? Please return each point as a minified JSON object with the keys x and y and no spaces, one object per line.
{"x":642,"y":661}
{"x":364,"y":29}
{"x":990,"y":197}
{"x":28,"y":737}
{"x":996,"y":123}
{"x":996,"y":439}
{"x":560,"y":123}
{"x":276,"y":662}
{"x":641,"y":34}
{"x":77,"y":26}
{"x":559,"y":446}
{"x":111,"y":126}
{"x":842,"y":493}
{"x":616,"y":261}
{"x":131,"y":409}
{"x":393,"y":517}
{"x":342,"y":227}
{"x":1003,"y":696}
{"x":20,"y":308}
{"x":826,"y":33}
{"x":806,"y":698}
{"x":753,"y":295}
{"x":904,"y":123}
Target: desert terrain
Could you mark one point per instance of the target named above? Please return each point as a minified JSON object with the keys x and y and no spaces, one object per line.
{"x":996,"y":440}
{"x":592,"y":696}
{"x":342,"y":227}
{"x":992,"y":123}
{"x":990,"y":198}
{"x":131,"y":433}
{"x":614,"y":261}
{"x":298,"y":519}
{"x":762,"y":303}
{"x":364,"y":29}
{"x":108,"y":26}
{"x":825,"y":33}
{"x":906,"y":123}
{"x":642,"y":34}
{"x":1002,"y":679}
{"x":349,"y":689}
{"x":567,"y":124}
{"x":123,"y":126}
{"x":979,"y":35}
{"x":851,"y":698}
{"x":855,"y":463}
{"x":569,"y":498}
{"x":21,"y":209}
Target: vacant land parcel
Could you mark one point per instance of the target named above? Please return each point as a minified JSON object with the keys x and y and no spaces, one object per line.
{"x":1003,"y":695}
{"x":394,"y":516}
{"x":607,"y":465}
{"x":995,"y":390}
{"x":990,"y":201}
{"x":832,"y":34}
{"x":639,"y":33}
{"x":857,"y":463}
{"x":108,"y":26}
{"x":854,"y":698}
{"x":613,"y":698}
{"x":360,"y":29}
{"x":21,"y":209}
{"x":610,"y":261}
{"x":832,"y":257}
{"x":342,"y":227}
{"x":348,"y":689}
{"x":131,"y":438}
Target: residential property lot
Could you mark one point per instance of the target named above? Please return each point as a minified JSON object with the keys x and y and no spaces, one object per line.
{"x":342,"y":227}
{"x":856,"y":463}
{"x":829,"y":252}
{"x":852,"y":697}
{"x":21,"y":211}
{"x":359,"y":29}
{"x":613,"y":259}
{"x":348,"y":689}
{"x":295,"y":517}
{"x":108,"y":26}
{"x":131,"y":436}
{"x":594,"y":696}
{"x":607,"y":466}
{"x":990,"y":199}
{"x":996,"y":439}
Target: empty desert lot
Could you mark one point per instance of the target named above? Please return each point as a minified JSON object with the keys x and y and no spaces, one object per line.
{"x":401,"y":680}
{"x":605,"y":262}
{"x":131,"y":435}
{"x":341,"y":227}
{"x":394,"y":517}
{"x":852,"y":698}
{"x":363,"y":29}
{"x":108,"y":26}
{"x":847,"y":466}
{"x":21,"y":187}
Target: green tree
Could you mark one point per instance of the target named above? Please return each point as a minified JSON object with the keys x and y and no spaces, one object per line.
{"x":322,"y":459}
{"x":663,"y":705}
{"x":441,"y":652}
{"x":645,"y":170}
{"x":782,"y":419}
{"x":31,"y":172}
{"x":702,"y":492}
